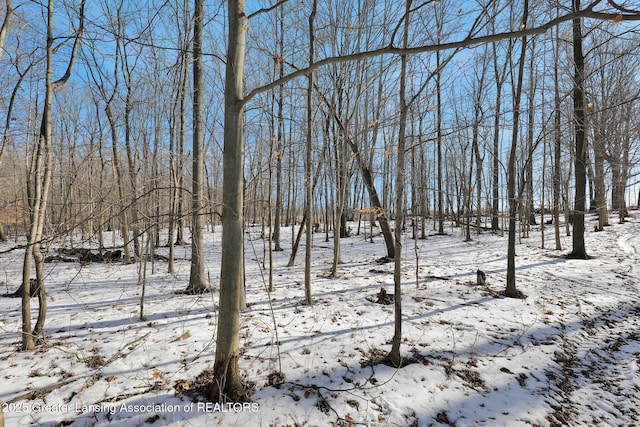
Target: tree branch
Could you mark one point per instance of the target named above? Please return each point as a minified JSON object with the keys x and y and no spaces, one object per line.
{"x":267,"y":9}
{"x":67,"y":74}
{"x":467,"y":42}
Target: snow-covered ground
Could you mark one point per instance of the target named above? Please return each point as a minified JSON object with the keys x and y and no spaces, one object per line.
{"x":568,"y":354}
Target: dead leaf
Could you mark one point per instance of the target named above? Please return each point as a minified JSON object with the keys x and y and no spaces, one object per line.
{"x":182,"y":385}
{"x":182,"y":337}
{"x":617,"y":19}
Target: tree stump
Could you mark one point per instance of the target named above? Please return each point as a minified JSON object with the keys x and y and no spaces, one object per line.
{"x":481,"y":278}
{"x":34,"y":289}
{"x":383,"y":297}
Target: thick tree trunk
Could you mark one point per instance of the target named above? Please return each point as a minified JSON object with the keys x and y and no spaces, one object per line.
{"x":197,"y":277}
{"x":227,"y":383}
{"x":579,"y":250}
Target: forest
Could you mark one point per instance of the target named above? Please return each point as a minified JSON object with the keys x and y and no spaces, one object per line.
{"x":208,"y":142}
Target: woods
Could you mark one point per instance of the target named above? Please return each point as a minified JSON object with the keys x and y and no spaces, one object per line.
{"x":346,"y":118}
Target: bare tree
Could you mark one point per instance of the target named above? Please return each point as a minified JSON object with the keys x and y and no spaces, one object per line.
{"x":8,"y":11}
{"x":579,"y":250}
{"x":500,"y":73}
{"x":41,"y":170}
{"x":197,"y":278}
{"x":511,"y":290}
{"x":279,"y":140}
{"x":3,"y":33}
{"x":309,"y":186}
{"x":557,"y":145}
{"x":394,"y":357}
{"x":227,"y":379}
{"x":478,"y":117}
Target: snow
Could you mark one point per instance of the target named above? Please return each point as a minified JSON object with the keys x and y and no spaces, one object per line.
{"x":568,"y":354}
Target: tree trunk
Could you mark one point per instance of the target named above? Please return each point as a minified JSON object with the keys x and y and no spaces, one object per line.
{"x":557,"y":145}
{"x":495,"y":184}
{"x":478,"y":116}
{"x":3,"y":34}
{"x":197,"y":276}
{"x":181,"y":157}
{"x":279,"y":144}
{"x":599,"y":178}
{"x":530,"y":206}
{"x":511,"y":290}
{"x":42,"y":171}
{"x":394,"y":357}
{"x":133,"y":178}
{"x":579,"y":250}
{"x":309,"y":186}
{"x":8,"y":11}
{"x":227,"y":383}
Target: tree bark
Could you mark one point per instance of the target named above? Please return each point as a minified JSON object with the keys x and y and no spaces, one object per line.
{"x":439,"y":142}
{"x":500,"y":76}
{"x":579,"y":250}
{"x":279,"y":145}
{"x":309,"y":186}
{"x":511,"y":290}
{"x":599,"y":178}
{"x":557,"y":145}
{"x":8,"y":11}
{"x":227,"y":383}
{"x":394,"y":358}
{"x":197,"y":276}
